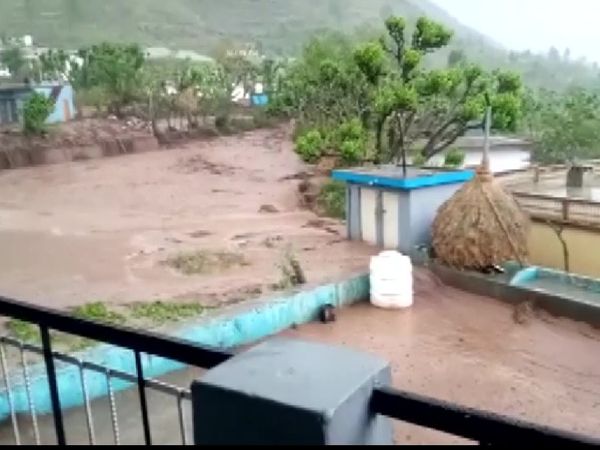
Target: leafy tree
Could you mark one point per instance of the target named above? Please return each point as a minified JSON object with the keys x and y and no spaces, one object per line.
{"x":13,"y":58}
{"x":116,"y":68}
{"x":430,"y":109}
{"x":564,"y":127}
{"x":35,"y":112}
{"x":325,"y":87}
{"x":53,"y":64}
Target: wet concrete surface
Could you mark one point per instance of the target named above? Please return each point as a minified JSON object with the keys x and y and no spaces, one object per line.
{"x":469,"y":350}
{"x":164,"y":418}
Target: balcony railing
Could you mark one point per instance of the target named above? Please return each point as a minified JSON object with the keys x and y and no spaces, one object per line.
{"x":137,"y":341}
{"x":560,"y":209}
{"x":480,"y":426}
{"x":483,"y":427}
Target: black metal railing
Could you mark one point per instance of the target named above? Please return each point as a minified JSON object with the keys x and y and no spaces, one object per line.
{"x":486,"y":428}
{"x":135,"y":340}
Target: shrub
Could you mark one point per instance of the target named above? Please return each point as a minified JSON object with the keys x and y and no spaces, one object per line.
{"x":310,"y":146}
{"x":351,"y":130}
{"x":223,"y":123}
{"x":352,"y":152}
{"x":35,"y":112}
{"x":332,"y":199}
{"x":454,"y":158}
{"x":350,"y":138}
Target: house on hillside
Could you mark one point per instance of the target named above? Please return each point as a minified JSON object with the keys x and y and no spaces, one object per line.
{"x":13,"y":97}
{"x":64,"y":101}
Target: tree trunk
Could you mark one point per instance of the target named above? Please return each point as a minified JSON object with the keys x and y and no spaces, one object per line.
{"x":379,"y":125}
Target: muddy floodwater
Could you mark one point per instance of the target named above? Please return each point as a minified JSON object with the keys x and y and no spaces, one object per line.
{"x":470,"y":350}
{"x":99,"y":230}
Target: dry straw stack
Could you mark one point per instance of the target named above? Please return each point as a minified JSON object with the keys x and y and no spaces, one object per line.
{"x":481,"y":225}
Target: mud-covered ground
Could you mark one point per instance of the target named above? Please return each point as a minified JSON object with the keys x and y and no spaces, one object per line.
{"x":100,"y":230}
{"x":474,"y":351}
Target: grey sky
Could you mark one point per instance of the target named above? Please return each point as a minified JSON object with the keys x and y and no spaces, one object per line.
{"x":534,"y":24}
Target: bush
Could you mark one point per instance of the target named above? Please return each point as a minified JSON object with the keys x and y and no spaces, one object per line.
{"x":332,"y":199}
{"x":350,"y":138}
{"x":352,"y":152}
{"x":310,"y":146}
{"x":454,"y":158}
{"x":351,"y":130}
{"x":35,"y":112}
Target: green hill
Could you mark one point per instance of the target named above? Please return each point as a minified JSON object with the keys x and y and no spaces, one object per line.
{"x":278,"y":25}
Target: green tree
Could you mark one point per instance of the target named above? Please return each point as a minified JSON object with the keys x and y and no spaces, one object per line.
{"x":53,"y":64}
{"x":325,"y":86}
{"x":13,"y":58}
{"x":430,"y":109}
{"x":564,"y":127}
{"x":115,"y":68}
{"x":35,"y":112}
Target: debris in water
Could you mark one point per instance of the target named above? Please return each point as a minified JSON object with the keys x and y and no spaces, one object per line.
{"x":327,"y":314}
{"x":268,"y":209}
{"x":523,"y":313}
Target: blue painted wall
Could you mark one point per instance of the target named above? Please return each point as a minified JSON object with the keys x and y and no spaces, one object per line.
{"x":423,"y":208}
{"x":268,"y":318}
{"x":66,"y":97}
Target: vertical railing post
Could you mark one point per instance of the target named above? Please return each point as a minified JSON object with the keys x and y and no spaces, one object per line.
{"x":274,"y":394}
{"x":54,"y":396}
{"x":141,"y":382}
{"x":565,"y":209}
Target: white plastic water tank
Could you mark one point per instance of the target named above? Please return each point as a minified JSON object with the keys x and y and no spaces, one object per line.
{"x":391,"y":281}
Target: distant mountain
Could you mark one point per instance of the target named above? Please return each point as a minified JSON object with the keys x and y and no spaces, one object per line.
{"x":275,"y":26}
{"x":280,"y":26}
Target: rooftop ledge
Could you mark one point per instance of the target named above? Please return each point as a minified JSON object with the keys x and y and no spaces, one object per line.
{"x":392,"y":177}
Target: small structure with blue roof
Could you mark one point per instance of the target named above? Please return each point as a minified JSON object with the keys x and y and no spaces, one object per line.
{"x":388,"y":208}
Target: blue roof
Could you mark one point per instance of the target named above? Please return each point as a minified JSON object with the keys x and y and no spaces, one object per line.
{"x":418,"y":179}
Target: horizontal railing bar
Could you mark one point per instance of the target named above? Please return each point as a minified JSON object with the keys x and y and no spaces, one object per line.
{"x":137,"y":340}
{"x":151,"y":383}
{"x":481,"y":426}
{"x":546,"y":197}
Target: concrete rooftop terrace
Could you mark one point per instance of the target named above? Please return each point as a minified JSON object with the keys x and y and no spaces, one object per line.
{"x":553,"y":184}
{"x":474,"y":351}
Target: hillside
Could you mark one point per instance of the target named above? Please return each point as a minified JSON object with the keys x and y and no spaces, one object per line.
{"x":279,"y":26}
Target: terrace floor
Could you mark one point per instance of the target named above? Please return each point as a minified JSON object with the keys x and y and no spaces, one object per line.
{"x":451,"y":345}
{"x":478,"y":352}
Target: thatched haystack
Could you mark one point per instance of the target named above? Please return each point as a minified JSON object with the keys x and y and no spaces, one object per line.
{"x":480,"y":226}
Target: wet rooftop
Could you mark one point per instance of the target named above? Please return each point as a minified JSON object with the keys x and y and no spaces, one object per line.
{"x":555,"y":185}
{"x":478,"y":352}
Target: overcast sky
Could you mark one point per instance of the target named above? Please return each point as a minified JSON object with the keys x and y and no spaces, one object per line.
{"x":534,"y":24}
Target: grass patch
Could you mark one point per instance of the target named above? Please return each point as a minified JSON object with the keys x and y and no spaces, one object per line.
{"x":332,"y":199}
{"x":98,"y":312}
{"x":202,"y":261}
{"x":160,"y":312}
{"x":24,"y":331}
{"x":291,"y":273}
{"x":139,"y":314}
